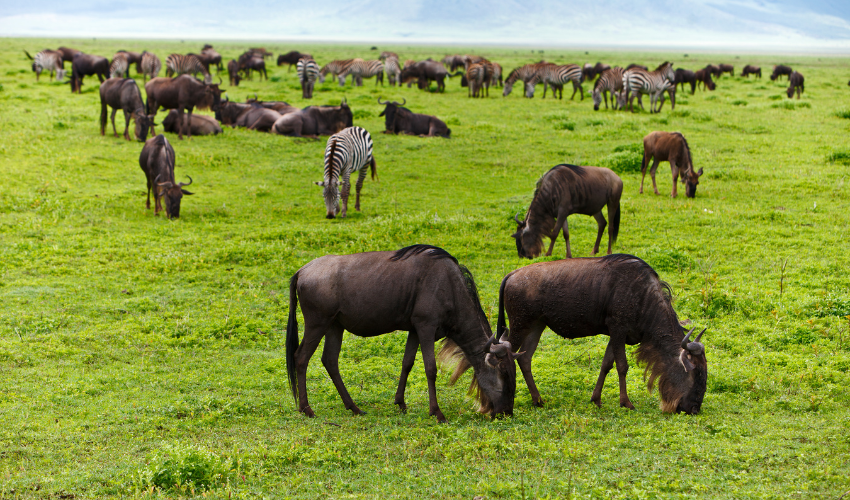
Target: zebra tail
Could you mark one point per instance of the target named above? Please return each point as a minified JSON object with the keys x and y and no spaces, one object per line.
{"x":374,"y":169}
{"x":292,"y":336}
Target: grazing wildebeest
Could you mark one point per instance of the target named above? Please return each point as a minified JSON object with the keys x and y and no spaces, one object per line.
{"x":421,"y":289}
{"x":686,"y":76}
{"x":233,"y":72}
{"x":426,"y":72}
{"x":132,"y":58}
{"x":124,"y":94}
{"x":291,"y":58}
{"x":210,"y":56}
{"x":314,"y":121}
{"x":795,"y":83}
{"x":254,"y":64}
{"x":713,"y":70}
{"x":617,"y":295}
{"x":184,"y":92}
{"x":198,"y":124}
{"x":725,"y":68}
{"x":401,"y":120}
{"x":562,"y":191}
{"x":68,"y":53}
{"x":157,"y":162}
{"x":781,"y":70}
{"x":670,"y":147}
{"x":751,"y":70}
{"x":703,"y":76}
{"x":85,"y":65}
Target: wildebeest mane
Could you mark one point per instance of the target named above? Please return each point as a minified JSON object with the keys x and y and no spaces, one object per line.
{"x":410,"y":251}
{"x":543,"y":191}
{"x":687,"y":150}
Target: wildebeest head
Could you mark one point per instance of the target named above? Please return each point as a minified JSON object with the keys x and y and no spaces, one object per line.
{"x":172,"y":194}
{"x":683,"y":387}
{"x":344,"y":117}
{"x":497,"y":377}
{"x":389,"y":112}
{"x":690,"y":179}
{"x":528,"y":244}
{"x":144,"y":123}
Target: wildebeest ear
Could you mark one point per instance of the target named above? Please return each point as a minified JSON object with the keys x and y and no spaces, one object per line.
{"x":515,"y":355}
{"x":700,"y":172}
{"x":382,"y":112}
{"x":515,"y":235}
{"x":685,"y":359}
{"x":185,"y":192}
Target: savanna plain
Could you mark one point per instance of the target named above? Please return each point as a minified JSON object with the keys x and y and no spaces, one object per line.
{"x":143,"y":357}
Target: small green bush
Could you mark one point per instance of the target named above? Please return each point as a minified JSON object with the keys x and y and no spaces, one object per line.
{"x":184,"y":468}
{"x":565,"y":126}
{"x":840,"y":156}
{"x":784,"y":105}
{"x":274,"y":79}
{"x":359,"y":114}
{"x":739,"y":102}
{"x":623,"y":162}
{"x":841,"y":113}
{"x":635,"y":147}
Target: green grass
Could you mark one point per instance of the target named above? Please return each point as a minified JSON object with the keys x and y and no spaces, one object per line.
{"x":143,"y":357}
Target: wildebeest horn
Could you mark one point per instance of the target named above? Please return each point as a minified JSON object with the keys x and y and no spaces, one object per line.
{"x":182,"y":184}
{"x":687,"y":338}
{"x":385,"y":102}
{"x":505,"y":335}
{"x":516,"y":218}
{"x":220,"y":81}
{"x":696,"y":346}
{"x":490,"y":342}
{"x":404,"y":101}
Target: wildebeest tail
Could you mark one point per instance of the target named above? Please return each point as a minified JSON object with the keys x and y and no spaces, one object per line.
{"x":374,"y":169}
{"x":292,"y":336}
{"x":28,"y":55}
{"x":614,"y":216}
{"x":501,"y":326}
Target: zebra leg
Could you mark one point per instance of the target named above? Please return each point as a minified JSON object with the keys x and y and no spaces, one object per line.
{"x":600,"y":220}
{"x":360,"y":186}
{"x":406,"y":365}
{"x":346,"y":188}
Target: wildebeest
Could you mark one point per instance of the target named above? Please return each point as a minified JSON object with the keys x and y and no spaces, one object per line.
{"x":686,"y":76}
{"x":401,"y":120}
{"x":725,"y":68}
{"x":124,"y":94}
{"x":562,"y":191}
{"x":314,"y":121}
{"x":751,"y":70}
{"x":157,"y":162}
{"x":291,"y":58}
{"x":253,"y":115}
{"x":233,"y":72}
{"x":620,"y":296}
{"x":210,"y":56}
{"x":254,"y":64}
{"x":781,"y":70}
{"x":795,"y":83}
{"x":426,"y":72}
{"x":184,"y":92}
{"x":68,"y":53}
{"x":85,"y":65}
{"x":713,"y":70}
{"x":260,"y":51}
{"x":132,"y":58}
{"x":670,"y":147}
{"x":589,"y":72}
{"x":421,"y":289}
{"x":703,"y":76}
{"x":198,"y":124}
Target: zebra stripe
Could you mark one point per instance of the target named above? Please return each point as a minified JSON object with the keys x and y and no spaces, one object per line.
{"x":178,"y":64}
{"x":477,"y":79}
{"x":654,"y":83}
{"x":393,"y":70}
{"x":556,"y":76}
{"x":50,"y":61}
{"x":360,"y":69}
{"x":150,"y":65}
{"x":308,"y":73}
{"x":524,"y":73}
{"x":611,"y":81}
{"x":120,"y":66}
{"x":347,"y":151}
{"x":334,"y":68}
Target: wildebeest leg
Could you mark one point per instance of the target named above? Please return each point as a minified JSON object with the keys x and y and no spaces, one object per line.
{"x":346,"y":188}
{"x":305,"y":351}
{"x":126,"y":125}
{"x":600,"y":219}
{"x":622,"y":369}
{"x":102,"y":117}
{"x":180,"y":123}
{"x":406,"y":365}
{"x":561,"y":223}
{"x":112,"y":119}
{"x":148,"y":204}
{"x":652,"y":170}
{"x":607,"y":364}
{"x":675,"y":172}
{"x":646,"y":157}
{"x":189,"y":123}
{"x":330,"y":359}
{"x":426,"y":343}
{"x":528,"y":346}
{"x":359,"y":186}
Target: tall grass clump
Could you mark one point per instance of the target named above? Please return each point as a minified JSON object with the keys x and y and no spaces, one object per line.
{"x":626,"y":158}
{"x":184,"y":468}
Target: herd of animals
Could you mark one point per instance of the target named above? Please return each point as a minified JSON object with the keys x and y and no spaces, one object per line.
{"x":423,"y":289}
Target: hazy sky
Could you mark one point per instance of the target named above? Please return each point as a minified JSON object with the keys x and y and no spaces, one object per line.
{"x":768,"y":25}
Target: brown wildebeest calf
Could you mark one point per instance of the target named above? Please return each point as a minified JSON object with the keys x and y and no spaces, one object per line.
{"x":725,"y":68}
{"x":566,"y":190}
{"x":751,"y":70}
{"x":671,"y":147}
{"x":795,"y":83}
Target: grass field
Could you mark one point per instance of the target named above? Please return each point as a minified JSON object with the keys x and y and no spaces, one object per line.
{"x":143,"y":357}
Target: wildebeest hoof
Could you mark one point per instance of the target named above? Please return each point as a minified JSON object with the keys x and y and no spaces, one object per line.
{"x":402,"y":407}
{"x":627,"y":404}
{"x":597,"y":402}
{"x":440,"y":417}
{"x":537,"y":404}
{"x":309,"y":412}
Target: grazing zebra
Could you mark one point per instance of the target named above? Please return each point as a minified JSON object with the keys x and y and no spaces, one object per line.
{"x":120,"y":67}
{"x":386,"y":55}
{"x":611,"y":81}
{"x":347,"y":151}
{"x":637,"y":81}
{"x":308,"y":73}
{"x":495,"y":74}
{"x":524,"y":73}
{"x":360,"y":69}
{"x":150,"y":66}
{"x":178,"y":64}
{"x":50,"y":61}
{"x":393,"y":70}
{"x":556,"y":76}
{"x":334,"y":68}
{"x":477,"y":78}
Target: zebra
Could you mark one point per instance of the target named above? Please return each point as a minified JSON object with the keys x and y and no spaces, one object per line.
{"x":556,"y":76}
{"x":611,"y":81}
{"x":393,"y":70}
{"x":120,"y":66}
{"x":334,"y":67}
{"x":477,"y":80}
{"x":524,"y":73}
{"x":347,"y":151}
{"x":654,"y":83}
{"x":360,"y":69}
{"x":308,"y":73}
{"x":50,"y":61}
{"x":178,"y":64}
{"x":150,"y":65}
{"x":495,"y":74}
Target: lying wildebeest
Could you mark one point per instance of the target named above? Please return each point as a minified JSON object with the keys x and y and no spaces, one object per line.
{"x":562,"y":191}
{"x":725,"y":68}
{"x":795,"y":83}
{"x":291,"y":58}
{"x":184,"y":92}
{"x":281,"y":107}
{"x":670,"y":147}
{"x":252,"y":115}
{"x":421,"y":289}
{"x":157,"y":162}
{"x":686,"y":76}
{"x":314,"y":121}
{"x":426,"y":72}
{"x":703,"y":76}
{"x":751,"y":70}
{"x":620,"y":296}
{"x":781,"y":70}
{"x":86,"y":65}
{"x":401,"y":120}
{"x":198,"y":124}
{"x":233,"y":72}
{"x":124,"y":94}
